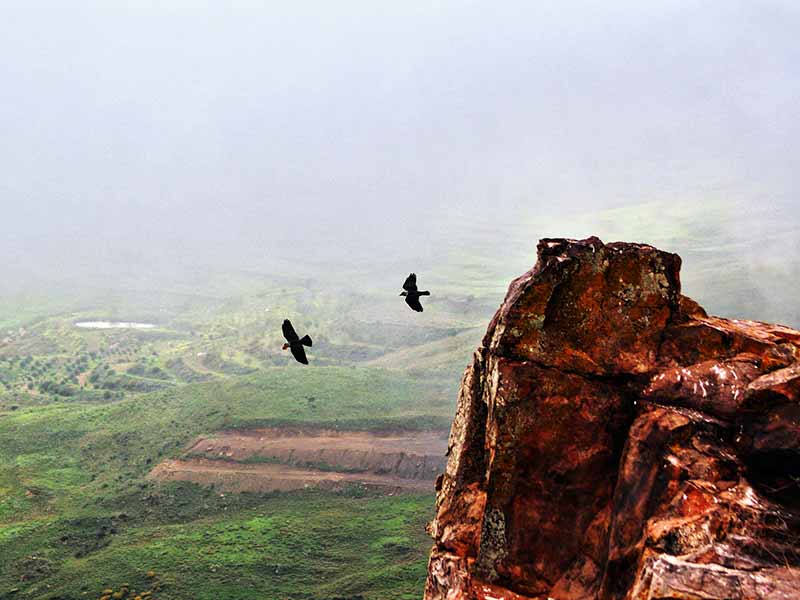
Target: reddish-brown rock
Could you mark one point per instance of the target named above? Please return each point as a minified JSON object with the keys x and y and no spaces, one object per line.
{"x":613,"y":441}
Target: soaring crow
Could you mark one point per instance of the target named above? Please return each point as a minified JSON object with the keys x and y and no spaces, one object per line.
{"x":412,"y":294}
{"x":295,"y":343}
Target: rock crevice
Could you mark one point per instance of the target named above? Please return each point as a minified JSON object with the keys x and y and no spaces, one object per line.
{"x":613,"y":441}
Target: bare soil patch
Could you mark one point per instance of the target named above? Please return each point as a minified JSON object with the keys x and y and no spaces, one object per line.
{"x":275,"y":459}
{"x":266,"y":477}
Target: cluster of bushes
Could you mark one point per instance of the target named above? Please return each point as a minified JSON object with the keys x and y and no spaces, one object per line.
{"x":125,"y":592}
{"x":104,"y":377}
{"x":59,"y":389}
{"x":100,"y":373}
{"x":77,"y":366}
{"x":142,"y":369}
{"x":47,"y":375}
{"x":127,"y":383}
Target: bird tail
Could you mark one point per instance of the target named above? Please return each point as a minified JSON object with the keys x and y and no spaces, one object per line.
{"x":306,"y":341}
{"x":425,"y":293}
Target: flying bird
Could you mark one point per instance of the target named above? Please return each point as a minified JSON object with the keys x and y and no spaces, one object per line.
{"x":412,"y":294}
{"x":295,"y":343}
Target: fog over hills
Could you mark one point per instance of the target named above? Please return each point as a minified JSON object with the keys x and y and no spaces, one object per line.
{"x":161,"y":140}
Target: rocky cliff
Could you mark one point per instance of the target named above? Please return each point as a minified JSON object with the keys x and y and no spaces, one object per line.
{"x":613,"y":441}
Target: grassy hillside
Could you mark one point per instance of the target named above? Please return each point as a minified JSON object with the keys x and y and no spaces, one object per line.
{"x":203,"y":545}
{"x":74,"y":494}
{"x":86,"y":414}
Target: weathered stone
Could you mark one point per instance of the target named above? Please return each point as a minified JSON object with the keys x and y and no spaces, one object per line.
{"x":590,"y":307}
{"x":716,"y":387}
{"x":613,"y":441}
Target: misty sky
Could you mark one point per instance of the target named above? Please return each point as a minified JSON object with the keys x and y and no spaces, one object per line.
{"x":151,"y":126}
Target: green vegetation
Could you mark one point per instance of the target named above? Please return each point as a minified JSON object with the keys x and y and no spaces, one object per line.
{"x":86,"y":414}
{"x":73,"y":494}
{"x":300,"y":545}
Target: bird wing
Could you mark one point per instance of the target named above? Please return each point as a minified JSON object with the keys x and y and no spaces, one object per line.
{"x":411,"y":283}
{"x":299,"y":353}
{"x":288,"y":332}
{"x":413,"y":302}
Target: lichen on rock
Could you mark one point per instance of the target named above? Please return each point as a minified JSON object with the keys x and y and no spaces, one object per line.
{"x":613,"y":441}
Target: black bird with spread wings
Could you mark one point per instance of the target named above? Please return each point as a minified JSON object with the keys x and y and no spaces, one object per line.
{"x":412,"y":294}
{"x":295,"y":343}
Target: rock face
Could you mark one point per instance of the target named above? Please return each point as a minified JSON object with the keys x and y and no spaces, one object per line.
{"x":613,"y":441}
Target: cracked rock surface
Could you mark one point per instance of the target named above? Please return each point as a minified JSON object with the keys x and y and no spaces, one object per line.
{"x":613,"y":441}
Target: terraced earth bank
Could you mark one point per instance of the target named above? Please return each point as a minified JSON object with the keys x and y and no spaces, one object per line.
{"x":283,"y":459}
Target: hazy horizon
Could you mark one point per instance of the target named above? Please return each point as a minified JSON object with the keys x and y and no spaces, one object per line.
{"x":200,"y":134}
